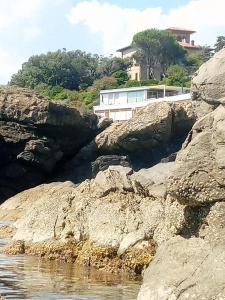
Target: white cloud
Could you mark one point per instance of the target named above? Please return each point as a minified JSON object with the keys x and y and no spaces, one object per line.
{"x":17,"y":18}
{"x":12,"y":11}
{"x":117,"y":25}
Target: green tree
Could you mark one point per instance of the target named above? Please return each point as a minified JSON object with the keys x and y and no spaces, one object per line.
{"x":177,"y":75}
{"x":109,"y":65}
{"x":104,"y":84}
{"x":156,"y":48}
{"x":132,"y":83}
{"x":65,"y":69}
{"x":220,"y":43}
{"x":121,"y":77}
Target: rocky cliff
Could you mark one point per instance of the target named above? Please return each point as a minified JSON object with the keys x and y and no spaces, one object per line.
{"x":35,"y":136}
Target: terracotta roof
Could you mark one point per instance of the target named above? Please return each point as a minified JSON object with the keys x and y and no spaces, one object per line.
{"x":187,"y":45}
{"x":180,"y":29}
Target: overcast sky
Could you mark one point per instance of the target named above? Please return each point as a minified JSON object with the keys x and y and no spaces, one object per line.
{"x":29,"y":27}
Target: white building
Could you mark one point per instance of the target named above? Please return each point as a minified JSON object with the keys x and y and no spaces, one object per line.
{"x":121,"y":104}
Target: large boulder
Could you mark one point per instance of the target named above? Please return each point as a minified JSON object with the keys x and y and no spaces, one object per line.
{"x":199,"y":176}
{"x":35,"y":136}
{"x":190,"y":268}
{"x":208,"y":84}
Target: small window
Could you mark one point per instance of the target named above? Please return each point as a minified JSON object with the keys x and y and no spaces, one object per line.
{"x":136,"y":76}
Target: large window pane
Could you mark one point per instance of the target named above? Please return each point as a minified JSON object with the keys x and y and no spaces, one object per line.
{"x":131,"y":97}
{"x":140,"y":96}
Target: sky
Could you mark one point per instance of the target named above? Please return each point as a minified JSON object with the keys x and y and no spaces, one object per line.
{"x":30,"y":27}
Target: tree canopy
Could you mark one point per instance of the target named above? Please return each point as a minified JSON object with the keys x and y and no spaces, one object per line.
{"x":69,"y":69}
{"x":220,"y":43}
{"x":157,"y":48}
{"x":177,"y":75}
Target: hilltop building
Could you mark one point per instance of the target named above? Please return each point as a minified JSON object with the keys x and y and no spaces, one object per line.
{"x":122,"y":104}
{"x":138,"y":72}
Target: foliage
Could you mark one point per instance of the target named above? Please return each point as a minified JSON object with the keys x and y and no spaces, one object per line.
{"x":82,"y":99}
{"x":220,"y":43}
{"x":132,"y":83}
{"x":177,"y":75}
{"x":206,"y":53}
{"x":121,"y":77}
{"x":195,"y":60}
{"x":104,"y":84}
{"x":109,"y":65}
{"x":66,"y":69}
{"x":149,"y":82}
{"x":157,"y":48}
{"x":72,"y":70}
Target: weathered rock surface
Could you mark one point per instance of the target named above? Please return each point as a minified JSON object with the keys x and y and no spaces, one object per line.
{"x":199,"y":177}
{"x":35,"y":136}
{"x":105,"y":209}
{"x":192,"y":264}
{"x":208,"y":84}
{"x":153,"y":133}
{"x":113,"y":210}
{"x":190,"y":268}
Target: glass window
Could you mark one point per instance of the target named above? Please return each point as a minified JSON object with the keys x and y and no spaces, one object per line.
{"x":136,"y":96}
{"x":117,"y":98}
{"x":111,"y":99}
{"x":140,"y":96}
{"x":131,"y":97}
{"x":105,"y":99}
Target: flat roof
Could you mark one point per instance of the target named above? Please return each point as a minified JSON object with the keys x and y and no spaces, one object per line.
{"x":180,"y":29}
{"x":144,"y":88}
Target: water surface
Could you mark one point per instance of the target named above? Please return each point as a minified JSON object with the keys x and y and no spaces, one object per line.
{"x":23,"y":277}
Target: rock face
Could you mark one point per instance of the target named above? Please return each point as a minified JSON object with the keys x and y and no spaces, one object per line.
{"x":107,"y":209}
{"x":199,"y":177}
{"x":116,"y":210}
{"x":153,"y":133}
{"x":208,"y":84}
{"x":192,"y":264}
{"x":35,"y":136}
{"x":190,"y":268}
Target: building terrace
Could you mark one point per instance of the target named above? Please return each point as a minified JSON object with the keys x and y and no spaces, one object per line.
{"x":122,"y":104}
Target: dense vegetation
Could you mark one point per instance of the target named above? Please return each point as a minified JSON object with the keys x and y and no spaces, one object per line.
{"x":77,"y":77}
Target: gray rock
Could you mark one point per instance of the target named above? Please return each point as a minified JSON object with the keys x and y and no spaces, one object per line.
{"x":103,"y":162}
{"x":107,"y":209}
{"x":199,"y":176}
{"x":208,"y":84}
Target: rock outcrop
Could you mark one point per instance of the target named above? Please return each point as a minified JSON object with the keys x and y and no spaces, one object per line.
{"x":199,"y":177}
{"x":155,"y":132}
{"x":191,"y":265}
{"x":208,"y":84}
{"x":35,"y":136}
{"x":113,"y":210}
